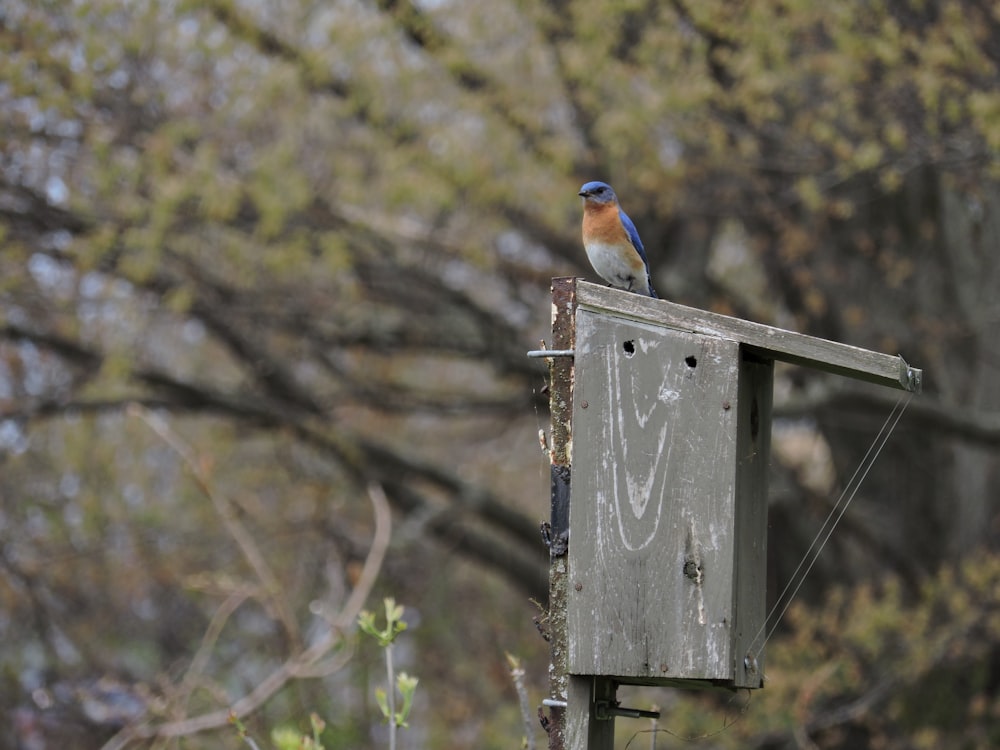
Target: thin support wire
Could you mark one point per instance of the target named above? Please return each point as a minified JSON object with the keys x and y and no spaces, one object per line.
{"x":832,"y":519}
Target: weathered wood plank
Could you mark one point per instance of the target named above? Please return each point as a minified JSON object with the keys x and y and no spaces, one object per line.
{"x":652,"y":521}
{"x":753,"y":456}
{"x":583,"y":729}
{"x":771,"y":342}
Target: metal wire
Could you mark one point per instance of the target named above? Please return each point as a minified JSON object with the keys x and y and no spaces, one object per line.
{"x":833,"y":518}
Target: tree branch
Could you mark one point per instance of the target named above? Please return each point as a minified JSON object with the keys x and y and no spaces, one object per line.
{"x":935,"y":418}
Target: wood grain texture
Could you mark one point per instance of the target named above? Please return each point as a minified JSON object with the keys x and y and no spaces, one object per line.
{"x":770,"y":342}
{"x":653,"y":539}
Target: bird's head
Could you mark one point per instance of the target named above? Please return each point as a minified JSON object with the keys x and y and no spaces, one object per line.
{"x":597,"y":192}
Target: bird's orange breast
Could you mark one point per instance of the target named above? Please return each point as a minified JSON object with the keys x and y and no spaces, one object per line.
{"x":601,"y":224}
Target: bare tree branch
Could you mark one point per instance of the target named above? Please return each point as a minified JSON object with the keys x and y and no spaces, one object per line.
{"x":314,"y":661}
{"x":923,"y":413}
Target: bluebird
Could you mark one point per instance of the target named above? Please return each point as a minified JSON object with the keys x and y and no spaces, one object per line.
{"x":612,"y":242}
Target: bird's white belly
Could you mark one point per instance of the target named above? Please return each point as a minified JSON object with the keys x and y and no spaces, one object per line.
{"x":607,"y":260}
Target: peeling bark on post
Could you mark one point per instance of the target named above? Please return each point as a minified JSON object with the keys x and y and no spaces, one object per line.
{"x":561,"y":408}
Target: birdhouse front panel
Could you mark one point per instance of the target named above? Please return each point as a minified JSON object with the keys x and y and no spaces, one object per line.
{"x":662,"y":454}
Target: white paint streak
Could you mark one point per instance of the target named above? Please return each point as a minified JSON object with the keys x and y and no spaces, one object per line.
{"x":633,"y":489}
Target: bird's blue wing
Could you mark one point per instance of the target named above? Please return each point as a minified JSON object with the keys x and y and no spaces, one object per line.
{"x":633,"y":235}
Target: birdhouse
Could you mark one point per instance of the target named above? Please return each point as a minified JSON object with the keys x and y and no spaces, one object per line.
{"x":671,"y":425}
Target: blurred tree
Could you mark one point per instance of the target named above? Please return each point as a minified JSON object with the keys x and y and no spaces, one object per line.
{"x":315,"y":240}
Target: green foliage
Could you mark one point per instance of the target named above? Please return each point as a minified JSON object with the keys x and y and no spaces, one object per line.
{"x":394,"y":623}
{"x":406,"y":686}
{"x":290,"y":739}
{"x":402,"y":683}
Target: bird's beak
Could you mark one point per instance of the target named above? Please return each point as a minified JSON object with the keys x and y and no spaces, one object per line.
{"x":583,"y":193}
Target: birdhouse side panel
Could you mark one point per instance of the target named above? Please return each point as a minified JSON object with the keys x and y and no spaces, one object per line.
{"x":754,"y":458}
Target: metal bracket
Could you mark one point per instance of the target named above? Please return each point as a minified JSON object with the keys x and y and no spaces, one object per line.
{"x":910,"y":378}
{"x":544,"y":353}
{"x":605,"y":710}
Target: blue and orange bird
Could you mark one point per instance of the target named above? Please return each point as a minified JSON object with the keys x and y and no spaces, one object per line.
{"x":612,"y":242}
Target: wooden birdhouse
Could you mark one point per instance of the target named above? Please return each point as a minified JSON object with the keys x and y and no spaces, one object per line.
{"x":667,"y":523}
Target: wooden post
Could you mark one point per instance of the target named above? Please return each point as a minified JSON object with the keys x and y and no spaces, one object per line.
{"x":585,"y":728}
{"x":560,"y":450}
{"x":575,"y":726}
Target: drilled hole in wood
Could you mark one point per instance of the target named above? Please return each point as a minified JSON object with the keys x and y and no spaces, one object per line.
{"x":629,"y":347}
{"x":691,"y":361}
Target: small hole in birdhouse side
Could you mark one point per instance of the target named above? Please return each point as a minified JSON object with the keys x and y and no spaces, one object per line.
{"x":629,"y":347}
{"x":693,"y":570}
{"x":691,"y":361}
